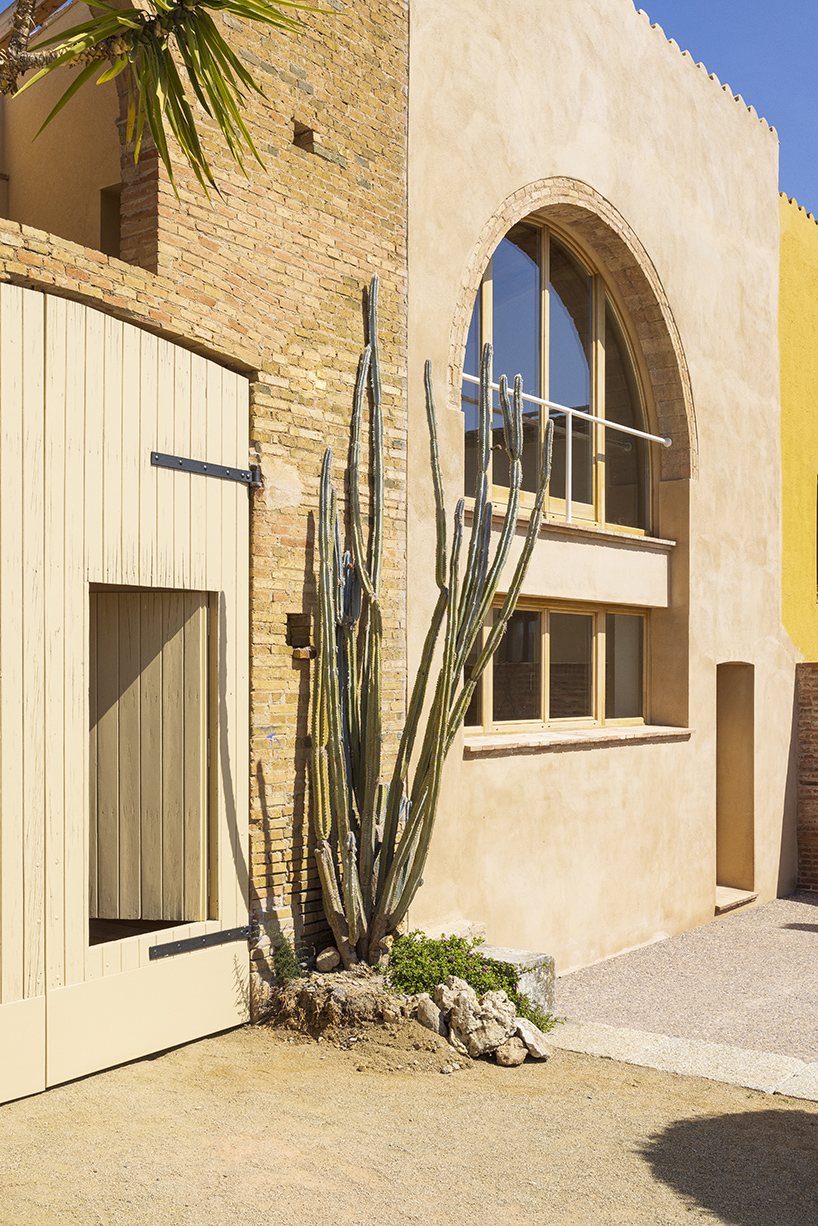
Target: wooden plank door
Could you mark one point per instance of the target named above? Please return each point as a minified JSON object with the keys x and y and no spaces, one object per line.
{"x":148,"y":836}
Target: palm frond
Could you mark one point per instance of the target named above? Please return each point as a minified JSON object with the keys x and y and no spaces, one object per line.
{"x":143,"y":45}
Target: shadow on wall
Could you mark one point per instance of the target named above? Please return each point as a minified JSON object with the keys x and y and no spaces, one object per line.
{"x":302,"y":887}
{"x":758,"y":1168}
{"x":788,"y":854}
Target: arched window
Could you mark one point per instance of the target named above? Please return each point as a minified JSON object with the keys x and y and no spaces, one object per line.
{"x":550,"y":318}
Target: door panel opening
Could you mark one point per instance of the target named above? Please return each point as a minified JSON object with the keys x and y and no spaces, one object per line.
{"x":735,"y":776}
{"x":149,"y":847}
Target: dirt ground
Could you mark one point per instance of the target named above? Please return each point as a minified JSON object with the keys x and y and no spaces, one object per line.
{"x":258,"y":1126}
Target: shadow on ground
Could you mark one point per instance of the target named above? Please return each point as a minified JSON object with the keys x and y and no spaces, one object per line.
{"x":757,"y":1169}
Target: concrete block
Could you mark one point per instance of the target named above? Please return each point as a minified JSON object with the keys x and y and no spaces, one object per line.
{"x":803,"y":1084}
{"x":735,"y":1065}
{"x":535,"y":973}
{"x":613,"y":1042}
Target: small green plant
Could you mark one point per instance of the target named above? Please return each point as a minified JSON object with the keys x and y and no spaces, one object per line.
{"x":284,"y":959}
{"x":419,"y":963}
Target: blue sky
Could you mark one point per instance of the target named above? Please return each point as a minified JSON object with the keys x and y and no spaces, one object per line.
{"x":767,"y":50}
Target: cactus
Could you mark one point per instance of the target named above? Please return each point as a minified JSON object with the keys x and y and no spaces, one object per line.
{"x":372,"y":837}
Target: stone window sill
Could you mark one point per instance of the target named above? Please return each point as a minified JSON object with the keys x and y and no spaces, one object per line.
{"x":553,"y":525}
{"x":554,"y":740}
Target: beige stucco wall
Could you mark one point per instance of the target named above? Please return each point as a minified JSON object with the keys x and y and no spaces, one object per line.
{"x":798,"y":334}
{"x":586,"y":852}
{"x":54,"y":181}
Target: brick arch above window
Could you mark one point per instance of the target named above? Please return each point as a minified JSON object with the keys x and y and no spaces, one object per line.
{"x":620,"y":256}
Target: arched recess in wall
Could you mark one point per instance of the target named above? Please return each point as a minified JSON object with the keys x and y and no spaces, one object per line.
{"x":614,"y":247}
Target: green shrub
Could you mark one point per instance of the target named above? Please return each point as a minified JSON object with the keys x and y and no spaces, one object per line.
{"x":284,"y":959}
{"x":418,"y":963}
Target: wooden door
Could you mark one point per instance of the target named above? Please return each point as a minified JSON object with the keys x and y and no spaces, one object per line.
{"x":84,"y":400}
{"x":148,"y":834}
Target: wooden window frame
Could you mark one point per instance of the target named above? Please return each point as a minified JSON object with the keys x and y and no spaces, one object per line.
{"x":598,"y":719}
{"x":583,"y":514}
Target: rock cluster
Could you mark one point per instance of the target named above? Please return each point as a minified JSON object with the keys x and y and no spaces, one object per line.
{"x":473,"y":1026}
{"x":478,"y":1026}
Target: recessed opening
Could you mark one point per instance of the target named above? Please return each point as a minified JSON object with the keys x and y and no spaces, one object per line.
{"x":110,"y":202}
{"x":149,"y":844}
{"x":735,"y":775}
{"x":303,"y":136}
{"x":299,"y":630}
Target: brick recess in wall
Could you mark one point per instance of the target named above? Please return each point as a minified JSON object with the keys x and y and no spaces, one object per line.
{"x":807,"y":697}
{"x":268,"y":278}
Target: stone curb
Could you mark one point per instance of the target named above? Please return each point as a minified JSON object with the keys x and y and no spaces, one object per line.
{"x":766,"y":1071}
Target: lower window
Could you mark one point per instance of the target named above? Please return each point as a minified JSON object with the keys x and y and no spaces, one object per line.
{"x":562,"y":665}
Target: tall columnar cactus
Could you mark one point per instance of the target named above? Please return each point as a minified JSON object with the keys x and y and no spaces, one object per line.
{"x":372,"y":836}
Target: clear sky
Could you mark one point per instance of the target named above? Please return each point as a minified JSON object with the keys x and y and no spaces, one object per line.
{"x":767,"y":51}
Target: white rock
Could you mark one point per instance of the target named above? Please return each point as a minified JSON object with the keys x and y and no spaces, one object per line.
{"x":429,"y":1015}
{"x":327,"y":960}
{"x":480,"y":1026}
{"x":534,"y":1039}
{"x":458,"y":1048}
{"x":511,"y":1053}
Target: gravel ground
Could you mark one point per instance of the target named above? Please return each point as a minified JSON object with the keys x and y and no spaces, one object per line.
{"x":749,"y":979}
{"x":250,"y":1127}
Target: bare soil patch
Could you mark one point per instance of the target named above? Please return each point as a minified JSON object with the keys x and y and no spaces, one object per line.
{"x":352,"y":1011}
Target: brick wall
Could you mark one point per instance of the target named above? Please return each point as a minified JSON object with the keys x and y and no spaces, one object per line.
{"x":806,"y":681}
{"x":268,"y":278}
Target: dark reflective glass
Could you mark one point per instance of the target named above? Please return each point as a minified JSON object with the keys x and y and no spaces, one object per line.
{"x":515,"y":272}
{"x":626,"y":457}
{"x":623,"y":666}
{"x":469,"y":399}
{"x":569,"y":368}
{"x":474,"y":711}
{"x":570,"y":678}
{"x":517,"y":668}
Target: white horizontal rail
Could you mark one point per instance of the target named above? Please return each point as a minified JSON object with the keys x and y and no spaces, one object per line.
{"x":563,"y":408}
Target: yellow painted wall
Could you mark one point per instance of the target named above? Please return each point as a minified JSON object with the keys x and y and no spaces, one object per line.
{"x":798,"y":332}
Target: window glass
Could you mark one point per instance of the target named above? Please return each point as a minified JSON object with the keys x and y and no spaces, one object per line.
{"x":553,"y":350}
{"x":569,"y":367}
{"x":517,"y":668}
{"x":474,"y":711}
{"x":470,"y":397}
{"x":516,"y":338}
{"x":625,"y":456}
{"x":623,"y":666}
{"x":571,"y":641}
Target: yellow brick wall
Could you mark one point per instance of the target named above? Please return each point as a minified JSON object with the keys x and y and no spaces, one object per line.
{"x":268,"y":278}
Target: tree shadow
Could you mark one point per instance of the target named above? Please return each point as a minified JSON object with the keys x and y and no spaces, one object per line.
{"x":755,"y":1168}
{"x":801,"y":927}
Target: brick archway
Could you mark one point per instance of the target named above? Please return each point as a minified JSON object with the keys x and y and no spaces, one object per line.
{"x":619,"y":254}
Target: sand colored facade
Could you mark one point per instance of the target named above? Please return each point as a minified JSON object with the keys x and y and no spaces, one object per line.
{"x":577,"y":836}
{"x":798,"y":334}
{"x":589,"y":844}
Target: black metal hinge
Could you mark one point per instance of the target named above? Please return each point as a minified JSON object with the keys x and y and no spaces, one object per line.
{"x":247,"y":932}
{"x":250,"y":477}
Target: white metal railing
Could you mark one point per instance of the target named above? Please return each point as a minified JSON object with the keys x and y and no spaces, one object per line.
{"x":570,"y":414}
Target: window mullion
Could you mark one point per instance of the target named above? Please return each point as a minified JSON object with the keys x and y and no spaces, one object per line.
{"x":487,"y":680}
{"x":545,"y":656}
{"x":486,"y":334}
{"x":598,"y":397}
{"x":600,"y":665}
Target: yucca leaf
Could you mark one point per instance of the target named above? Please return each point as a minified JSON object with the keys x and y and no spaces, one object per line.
{"x":114,"y":71}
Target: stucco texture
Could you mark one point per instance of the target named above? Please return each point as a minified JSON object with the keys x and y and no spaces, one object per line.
{"x":798,"y":333}
{"x":585,"y":852}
